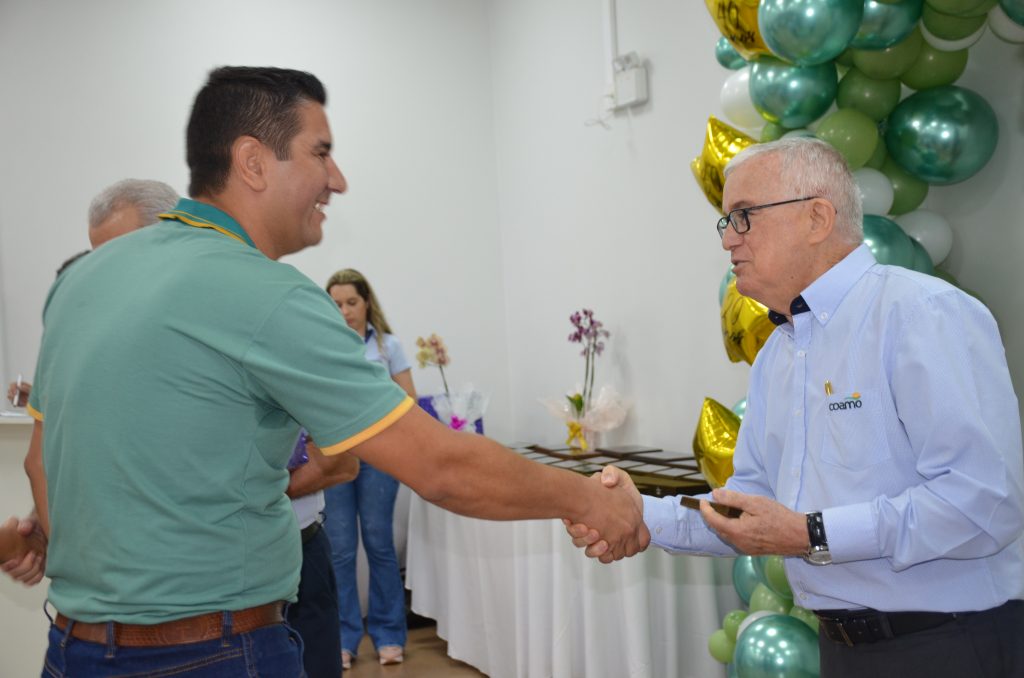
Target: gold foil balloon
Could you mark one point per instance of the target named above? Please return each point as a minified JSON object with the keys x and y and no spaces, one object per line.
{"x":745,"y":325}
{"x":715,"y":441}
{"x":721,"y":143}
{"x":737,"y":19}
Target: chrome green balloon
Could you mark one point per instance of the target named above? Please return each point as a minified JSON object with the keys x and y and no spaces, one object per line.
{"x":934,"y":68}
{"x":740,"y":408}
{"x":727,"y":55}
{"x":763,"y":598}
{"x":942,"y":135}
{"x":908,"y":191}
{"x":744,"y":578}
{"x":850,"y":132}
{"x":792,"y":96}
{"x":887,"y":241}
{"x":1013,"y":8}
{"x":874,"y":98}
{"x":778,"y":646}
{"x":877,"y":158}
{"x":808,"y":32}
{"x":724,"y":285}
{"x":921,"y":262}
{"x":891,"y":61}
{"x":885,"y":24}
{"x":950,"y":26}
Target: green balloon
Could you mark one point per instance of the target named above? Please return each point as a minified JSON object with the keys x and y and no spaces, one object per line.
{"x":1014,"y":10}
{"x":721,"y":647}
{"x":877,"y":159}
{"x":744,"y":577}
{"x":960,"y":7}
{"x":921,"y":261}
{"x":724,"y":285}
{"x":950,"y":26}
{"x":806,"y":616}
{"x":731,"y":622}
{"x":874,"y":98}
{"x":740,"y":408}
{"x":772,"y":131}
{"x":942,"y":135}
{"x":934,"y":68}
{"x":850,"y":132}
{"x":980,"y":10}
{"x":808,"y":32}
{"x":885,"y":24}
{"x":778,"y":646}
{"x":727,"y":55}
{"x":792,"y":96}
{"x":763,"y":598}
{"x":891,"y":61}
{"x":908,"y":191}
{"x":845,"y":59}
{"x":889,"y":244}
{"x":775,"y":576}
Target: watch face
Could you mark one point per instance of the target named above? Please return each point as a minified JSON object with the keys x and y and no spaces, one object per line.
{"x":820,"y":557}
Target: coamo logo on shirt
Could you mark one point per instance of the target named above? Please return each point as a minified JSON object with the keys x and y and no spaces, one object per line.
{"x":850,"y":402}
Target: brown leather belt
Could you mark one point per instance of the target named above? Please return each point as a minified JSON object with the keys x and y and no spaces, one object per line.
{"x":196,"y":629}
{"x":856,"y":627}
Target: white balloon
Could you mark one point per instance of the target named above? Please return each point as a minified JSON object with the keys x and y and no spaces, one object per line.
{"x":876,"y":192}
{"x":951,"y":45}
{"x":750,"y":619}
{"x":931,"y":230}
{"x":1004,"y":27}
{"x":736,"y":103}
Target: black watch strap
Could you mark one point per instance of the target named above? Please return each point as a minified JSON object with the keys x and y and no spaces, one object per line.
{"x":816,"y":531}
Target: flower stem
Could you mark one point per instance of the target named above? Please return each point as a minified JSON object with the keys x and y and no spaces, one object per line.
{"x":445,"y":381}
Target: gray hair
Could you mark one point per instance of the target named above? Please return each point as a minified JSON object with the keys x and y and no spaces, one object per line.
{"x":150,"y":197}
{"x":811,"y":167}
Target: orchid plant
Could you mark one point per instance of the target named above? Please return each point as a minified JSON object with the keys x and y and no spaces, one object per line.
{"x":432,"y":351}
{"x":589,"y":332}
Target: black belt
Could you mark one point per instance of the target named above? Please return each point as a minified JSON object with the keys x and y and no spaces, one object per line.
{"x":856,"y":627}
{"x":309,"y":531}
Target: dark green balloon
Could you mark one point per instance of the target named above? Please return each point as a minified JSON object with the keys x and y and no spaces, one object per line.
{"x":960,"y":7}
{"x":772,"y":131}
{"x":887,"y":241}
{"x":792,"y":96}
{"x":846,"y":58}
{"x":727,"y":55}
{"x":908,"y":191}
{"x":981,"y":10}
{"x":934,"y":68}
{"x":942,"y":135}
{"x":1014,"y":9}
{"x":921,"y":262}
{"x":891,"y":61}
{"x":879,"y":156}
{"x":950,"y":26}
{"x":874,"y":98}
{"x":885,"y":24}
{"x":744,"y":577}
{"x":850,"y":132}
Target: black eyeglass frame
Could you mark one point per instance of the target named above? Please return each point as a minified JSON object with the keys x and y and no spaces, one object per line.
{"x":728,"y":219}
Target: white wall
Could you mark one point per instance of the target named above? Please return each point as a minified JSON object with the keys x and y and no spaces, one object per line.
{"x":97,"y":91}
{"x":614,"y":219}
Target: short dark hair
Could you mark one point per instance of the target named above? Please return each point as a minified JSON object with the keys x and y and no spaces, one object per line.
{"x":238,"y":101}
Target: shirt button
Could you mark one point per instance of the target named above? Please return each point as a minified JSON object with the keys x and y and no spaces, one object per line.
{"x":803,"y":596}
{"x":801,"y":353}
{"x":823,"y":316}
{"x":797,"y":412}
{"x":658,"y":531}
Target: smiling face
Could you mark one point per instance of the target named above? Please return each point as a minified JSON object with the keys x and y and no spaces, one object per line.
{"x":773,"y":260}
{"x":302,"y":185}
{"x":352,"y":306}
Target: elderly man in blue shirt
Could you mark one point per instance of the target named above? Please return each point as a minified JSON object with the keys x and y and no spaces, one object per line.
{"x":881,"y":447}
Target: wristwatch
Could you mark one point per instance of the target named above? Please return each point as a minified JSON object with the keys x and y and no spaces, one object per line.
{"x":818,"y":553}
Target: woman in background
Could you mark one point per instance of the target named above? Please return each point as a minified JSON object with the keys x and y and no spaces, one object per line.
{"x":370,"y":499}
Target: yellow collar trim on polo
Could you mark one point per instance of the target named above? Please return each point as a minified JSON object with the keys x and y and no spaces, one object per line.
{"x":199,"y":222}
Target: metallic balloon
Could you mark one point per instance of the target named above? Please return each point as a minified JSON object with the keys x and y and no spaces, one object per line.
{"x":1014,"y":9}
{"x":721,"y":143}
{"x":885,"y":24}
{"x":887,"y":241}
{"x":745,"y":325}
{"x":809,"y":32}
{"x":778,"y":646}
{"x":724,"y":285}
{"x":715,"y":441}
{"x":744,"y":578}
{"x":921,"y":262}
{"x":792,"y":96}
{"x":775,"y":576}
{"x":942,"y":135}
{"x":740,"y":408}
{"x":1005,"y":28}
{"x":727,"y":55}
{"x":737,"y":20}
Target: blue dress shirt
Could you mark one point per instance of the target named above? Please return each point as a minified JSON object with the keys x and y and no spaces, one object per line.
{"x":914,"y":458}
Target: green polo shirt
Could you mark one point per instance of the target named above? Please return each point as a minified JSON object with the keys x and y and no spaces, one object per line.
{"x":177,"y":365}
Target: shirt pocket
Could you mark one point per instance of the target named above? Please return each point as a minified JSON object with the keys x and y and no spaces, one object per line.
{"x":854,"y":435}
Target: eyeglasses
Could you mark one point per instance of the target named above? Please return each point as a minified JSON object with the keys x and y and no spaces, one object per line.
{"x":743,"y":225}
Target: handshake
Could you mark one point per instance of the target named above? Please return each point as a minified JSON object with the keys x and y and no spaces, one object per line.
{"x":612,"y":526}
{"x":23,"y":550}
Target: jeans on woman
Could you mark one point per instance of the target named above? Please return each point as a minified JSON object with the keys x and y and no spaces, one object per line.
{"x":369,"y":500}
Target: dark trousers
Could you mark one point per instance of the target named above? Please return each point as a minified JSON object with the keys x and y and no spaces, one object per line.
{"x":315,"y":614}
{"x":987,"y":644}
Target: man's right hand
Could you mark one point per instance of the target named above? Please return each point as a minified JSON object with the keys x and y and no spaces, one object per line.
{"x":617,"y":529}
{"x":29,"y":568}
{"x":19,"y":396}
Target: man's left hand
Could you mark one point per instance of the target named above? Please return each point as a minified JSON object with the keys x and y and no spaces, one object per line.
{"x":765,"y":528}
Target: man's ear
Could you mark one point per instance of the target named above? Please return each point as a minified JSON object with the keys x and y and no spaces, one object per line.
{"x":248,"y":162}
{"x":823,"y":220}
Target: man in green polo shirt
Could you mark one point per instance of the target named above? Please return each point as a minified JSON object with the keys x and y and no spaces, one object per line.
{"x":177,"y":365}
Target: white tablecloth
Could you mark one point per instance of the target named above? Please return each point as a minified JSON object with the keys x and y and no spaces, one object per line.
{"x":518,"y":600}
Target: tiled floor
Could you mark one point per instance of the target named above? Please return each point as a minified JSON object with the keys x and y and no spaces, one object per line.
{"x":425,"y":657}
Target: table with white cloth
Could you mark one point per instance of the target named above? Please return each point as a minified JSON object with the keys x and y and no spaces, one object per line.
{"x":517,"y":599}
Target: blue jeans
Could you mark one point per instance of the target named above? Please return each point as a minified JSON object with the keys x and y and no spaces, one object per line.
{"x":274,"y":650}
{"x":315,"y":614}
{"x":370,"y":499}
